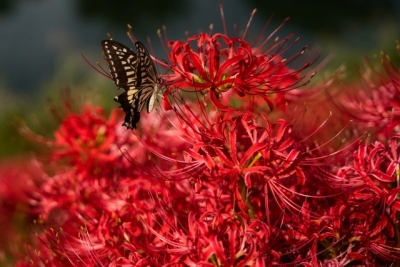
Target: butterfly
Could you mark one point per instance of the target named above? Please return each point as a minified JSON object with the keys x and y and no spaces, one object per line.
{"x":136,"y":74}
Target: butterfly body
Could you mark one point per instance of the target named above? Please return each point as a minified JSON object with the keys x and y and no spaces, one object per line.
{"x":136,"y":74}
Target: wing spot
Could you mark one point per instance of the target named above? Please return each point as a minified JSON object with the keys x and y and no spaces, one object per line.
{"x":132,"y":92}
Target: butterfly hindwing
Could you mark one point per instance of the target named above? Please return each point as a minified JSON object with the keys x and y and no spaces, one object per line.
{"x":148,"y":76}
{"x":129,"y":105}
{"x":136,"y":74}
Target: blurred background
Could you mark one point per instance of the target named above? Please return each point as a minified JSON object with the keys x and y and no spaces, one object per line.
{"x":41,"y":42}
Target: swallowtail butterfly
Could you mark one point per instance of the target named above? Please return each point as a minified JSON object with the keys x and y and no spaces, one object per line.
{"x":136,"y":74}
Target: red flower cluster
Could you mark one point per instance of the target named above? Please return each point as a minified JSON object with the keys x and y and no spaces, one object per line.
{"x":208,"y":183}
{"x":215,"y":64}
{"x":376,"y":105}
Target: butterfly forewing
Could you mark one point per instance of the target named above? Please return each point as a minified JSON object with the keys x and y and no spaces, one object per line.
{"x":122,"y":62}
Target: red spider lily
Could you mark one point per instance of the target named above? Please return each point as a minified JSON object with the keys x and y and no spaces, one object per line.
{"x":222,"y":63}
{"x":105,"y":222}
{"x":379,"y":111}
{"x":85,"y":138}
{"x":94,"y":233}
{"x":221,"y":239}
{"x":88,"y":139}
{"x":374,"y":173}
{"x":93,"y":142}
{"x":20,"y":180}
{"x":376,"y":106}
{"x":370,"y":208}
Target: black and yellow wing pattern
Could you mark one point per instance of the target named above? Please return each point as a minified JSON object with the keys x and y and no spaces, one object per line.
{"x":136,"y":74}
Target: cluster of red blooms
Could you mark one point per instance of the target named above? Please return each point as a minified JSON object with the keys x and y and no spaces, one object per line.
{"x":216,"y":178}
